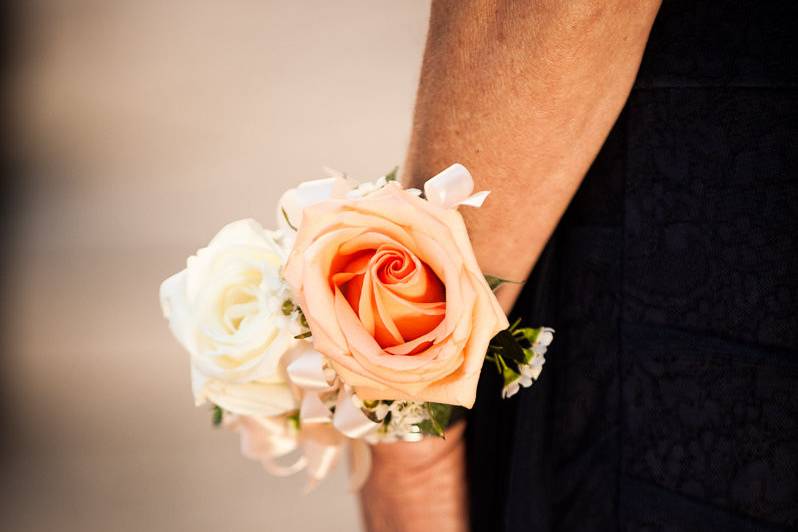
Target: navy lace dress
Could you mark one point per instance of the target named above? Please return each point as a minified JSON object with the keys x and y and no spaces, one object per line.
{"x":669,"y":399}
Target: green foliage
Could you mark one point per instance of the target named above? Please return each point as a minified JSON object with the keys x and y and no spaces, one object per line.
{"x":439,"y":416}
{"x":526,"y":335}
{"x":511,"y":349}
{"x":392,"y":175}
{"x":495,"y":282}
{"x":288,"y":308}
{"x":217,"y":415}
{"x":507,"y":347}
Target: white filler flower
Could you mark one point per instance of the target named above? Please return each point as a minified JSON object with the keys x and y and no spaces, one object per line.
{"x":227,"y":309}
{"x":529,"y":372}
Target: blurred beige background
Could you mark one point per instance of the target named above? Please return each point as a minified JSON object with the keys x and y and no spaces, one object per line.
{"x":144,"y":127}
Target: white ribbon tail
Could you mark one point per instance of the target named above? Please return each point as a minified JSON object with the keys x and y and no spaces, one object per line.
{"x":476,"y":200}
{"x":321,"y":458}
{"x":271,"y":465}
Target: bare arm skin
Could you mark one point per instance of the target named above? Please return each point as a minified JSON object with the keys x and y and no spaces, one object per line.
{"x":523,"y":93}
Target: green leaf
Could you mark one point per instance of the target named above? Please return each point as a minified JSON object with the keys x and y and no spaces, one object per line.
{"x":429,"y":428}
{"x":392,"y":175}
{"x":530,"y":334}
{"x":495,"y":282}
{"x":440,"y":412}
{"x":217,"y":415}
{"x":439,"y":415}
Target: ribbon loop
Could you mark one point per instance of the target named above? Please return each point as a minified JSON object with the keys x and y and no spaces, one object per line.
{"x":313,"y":410}
{"x":266,"y":439}
{"x":453,"y":187}
{"x":349,"y":419}
{"x":308,"y":193}
{"x":307,"y":371}
{"x":324,"y":434}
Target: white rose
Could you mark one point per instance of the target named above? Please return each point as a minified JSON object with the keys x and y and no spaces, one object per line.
{"x":226,"y":309}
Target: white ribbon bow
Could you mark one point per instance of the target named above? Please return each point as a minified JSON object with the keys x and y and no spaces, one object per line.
{"x":453,"y":187}
{"x":324,"y":433}
{"x":449,"y":189}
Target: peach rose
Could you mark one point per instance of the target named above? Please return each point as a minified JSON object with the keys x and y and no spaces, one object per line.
{"x":393,"y":295}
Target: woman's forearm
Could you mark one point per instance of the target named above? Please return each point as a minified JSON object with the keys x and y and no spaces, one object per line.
{"x":523,"y":93}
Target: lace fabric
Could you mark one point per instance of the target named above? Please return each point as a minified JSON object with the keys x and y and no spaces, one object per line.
{"x":669,"y":401}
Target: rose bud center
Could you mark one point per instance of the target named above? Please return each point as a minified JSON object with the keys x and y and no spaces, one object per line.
{"x":397,"y":297}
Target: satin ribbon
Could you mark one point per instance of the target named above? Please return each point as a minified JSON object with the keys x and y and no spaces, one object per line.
{"x":449,"y":189}
{"x":307,"y":371}
{"x":453,"y":187}
{"x":324,"y":434}
{"x":349,"y":419}
{"x":308,"y":193}
{"x":266,"y":439}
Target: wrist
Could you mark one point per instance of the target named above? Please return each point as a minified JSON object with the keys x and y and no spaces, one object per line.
{"x":418,"y":486}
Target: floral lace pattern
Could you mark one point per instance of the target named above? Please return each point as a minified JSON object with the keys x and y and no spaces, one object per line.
{"x":670,"y":400}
